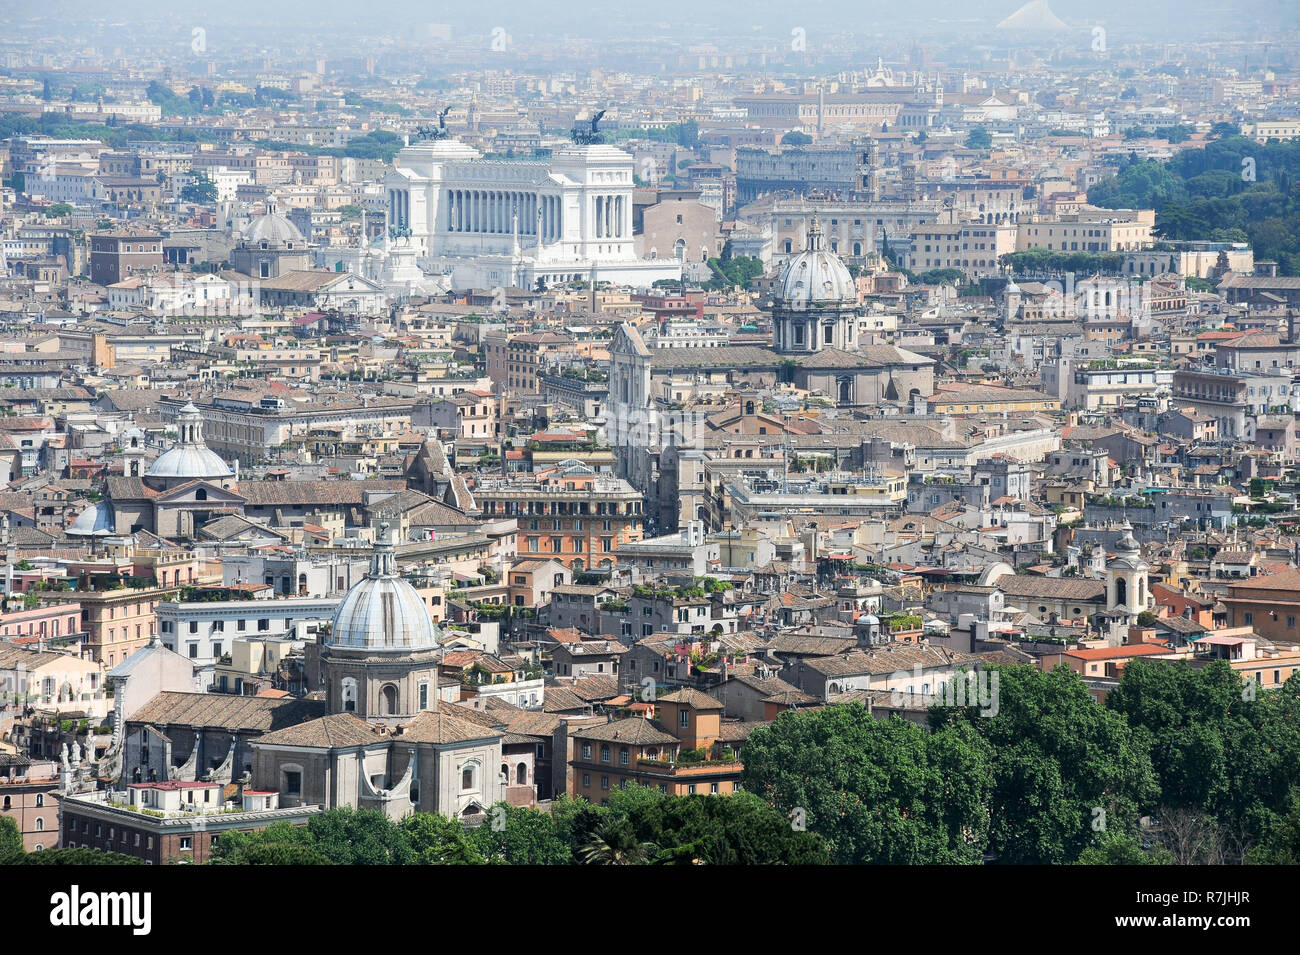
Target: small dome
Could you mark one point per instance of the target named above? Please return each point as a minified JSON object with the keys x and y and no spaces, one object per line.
{"x":816,"y":276}
{"x":271,"y":228}
{"x":382,"y":612}
{"x":94,"y":521}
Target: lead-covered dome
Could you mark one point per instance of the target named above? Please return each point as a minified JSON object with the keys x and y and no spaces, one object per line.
{"x":382,"y":612}
{"x":190,"y":459}
{"x":816,"y":277}
{"x":94,"y":521}
{"x":273,"y":229}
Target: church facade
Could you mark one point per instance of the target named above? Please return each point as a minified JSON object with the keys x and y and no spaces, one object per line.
{"x":385,"y":743}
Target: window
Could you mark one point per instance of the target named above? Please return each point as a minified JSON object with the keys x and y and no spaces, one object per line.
{"x":604,"y":752}
{"x":293,"y":783}
{"x":40,"y":800}
{"x":186,"y":844}
{"x":194,"y":626}
{"x":586,"y":754}
{"x":685,"y":718}
{"x":424,"y":696}
{"x":604,"y":782}
{"x":586,"y":779}
{"x":713,"y":788}
{"x":467,"y":777}
{"x":1250,"y":618}
{"x":623,"y":756}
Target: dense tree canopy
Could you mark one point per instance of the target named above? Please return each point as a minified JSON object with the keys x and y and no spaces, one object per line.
{"x":1232,"y":187}
{"x":1064,"y":767}
{"x":877,"y":791}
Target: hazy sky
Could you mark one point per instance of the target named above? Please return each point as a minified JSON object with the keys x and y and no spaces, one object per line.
{"x":1259,"y":19}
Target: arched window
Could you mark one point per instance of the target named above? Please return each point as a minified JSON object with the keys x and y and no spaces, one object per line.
{"x":467,"y":776}
{"x":389,"y":693}
{"x":40,"y":800}
{"x":201,"y":494}
{"x":505,"y":772}
{"x":40,"y":824}
{"x":1121,"y":592}
{"x":8,"y":803}
{"x":521,"y":774}
{"x":349,"y":693}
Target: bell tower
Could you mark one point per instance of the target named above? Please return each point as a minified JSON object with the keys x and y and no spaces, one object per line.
{"x":1127,"y":589}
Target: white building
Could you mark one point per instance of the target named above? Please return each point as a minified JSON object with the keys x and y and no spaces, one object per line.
{"x":495,"y":223}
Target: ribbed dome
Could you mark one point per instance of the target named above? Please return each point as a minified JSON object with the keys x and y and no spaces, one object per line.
{"x":94,"y":521}
{"x":383,"y":612}
{"x":816,"y":276}
{"x":191,"y":458}
{"x":189,"y":462}
{"x":272,"y":228}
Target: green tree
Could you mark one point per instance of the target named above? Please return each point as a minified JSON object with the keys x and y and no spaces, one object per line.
{"x":359,"y":837}
{"x":1184,"y":717}
{"x":796,"y":138}
{"x":11,"y":840}
{"x":238,"y":848}
{"x":521,"y":836}
{"x":58,"y":210}
{"x":740,"y":829}
{"x":876,"y":791}
{"x":439,"y":840}
{"x":979,"y":138}
{"x":202,"y":190}
{"x":1282,"y":845}
{"x":78,"y":856}
{"x":614,"y":842}
{"x":281,"y":853}
{"x":1065,"y":768}
{"x":1115,"y":848}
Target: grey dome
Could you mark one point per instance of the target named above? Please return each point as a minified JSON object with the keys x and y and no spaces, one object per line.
{"x":816,"y":276}
{"x":382,"y":612}
{"x":190,"y":458}
{"x":189,"y":461}
{"x":94,"y":521}
{"x":273,"y":229}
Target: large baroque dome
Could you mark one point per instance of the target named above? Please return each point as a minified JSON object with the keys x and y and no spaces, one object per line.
{"x":272,"y":228}
{"x":189,"y":459}
{"x":815,"y":277}
{"x":382,"y":612}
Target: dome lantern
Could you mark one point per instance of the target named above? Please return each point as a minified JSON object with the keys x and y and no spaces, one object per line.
{"x":382,"y":612}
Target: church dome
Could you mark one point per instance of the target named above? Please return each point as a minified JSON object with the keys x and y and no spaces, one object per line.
{"x":273,"y":229}
{"x":382,"y":612}
{"x":94,"y":521}
{"x":816,"y":277}
{"x":190,"y":458}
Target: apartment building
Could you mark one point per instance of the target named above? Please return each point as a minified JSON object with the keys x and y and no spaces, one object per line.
{"x":569,"y":512}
